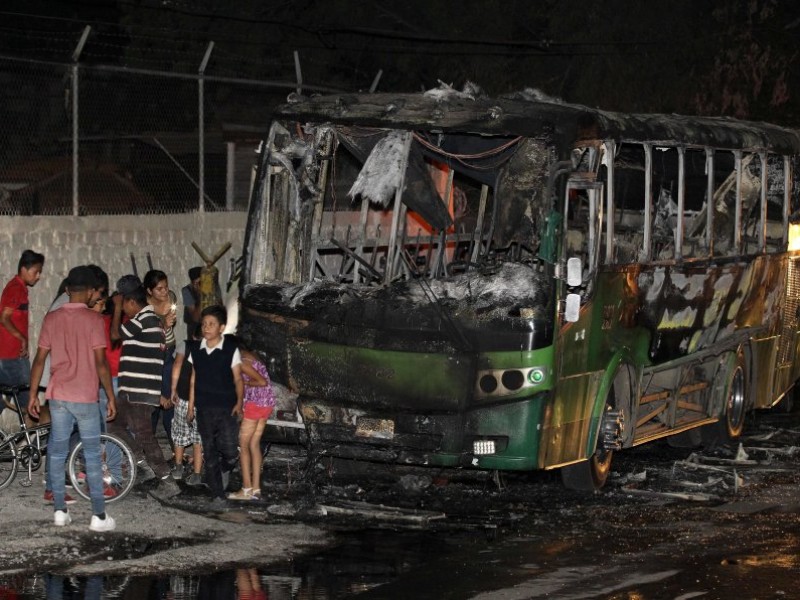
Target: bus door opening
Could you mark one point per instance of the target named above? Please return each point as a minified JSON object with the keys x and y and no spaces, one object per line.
{"x":583,"y":208}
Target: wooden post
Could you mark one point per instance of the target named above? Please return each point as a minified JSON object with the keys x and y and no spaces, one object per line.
{"x":209,"y":276}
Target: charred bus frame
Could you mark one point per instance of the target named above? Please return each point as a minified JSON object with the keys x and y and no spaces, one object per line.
{"x":518,"y":283}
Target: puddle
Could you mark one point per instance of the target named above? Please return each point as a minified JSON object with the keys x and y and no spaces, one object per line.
{"x":357,"y":564}
{"x":568,"y":559}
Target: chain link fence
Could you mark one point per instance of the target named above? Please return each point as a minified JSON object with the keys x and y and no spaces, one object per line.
{"x":99,"y":139}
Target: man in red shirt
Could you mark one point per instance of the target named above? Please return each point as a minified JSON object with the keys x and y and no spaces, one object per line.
{"x":74,"y":337}
{"x":15,"y":368}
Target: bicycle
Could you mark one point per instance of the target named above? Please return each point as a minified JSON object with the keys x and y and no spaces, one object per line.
{"x":27,"y":447}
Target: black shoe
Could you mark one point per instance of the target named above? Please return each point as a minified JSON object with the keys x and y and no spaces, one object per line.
{"x":167,"y":488}
{"x":218,"y":505}
{"x":145,"y":472}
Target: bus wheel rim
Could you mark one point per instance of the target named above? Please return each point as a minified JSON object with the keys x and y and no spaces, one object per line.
{"x":735,"y":404}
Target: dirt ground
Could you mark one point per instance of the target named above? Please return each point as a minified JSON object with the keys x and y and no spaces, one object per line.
{"x":306,"y":504}
{"x":154,"y":535}
{"x":151,"y":537}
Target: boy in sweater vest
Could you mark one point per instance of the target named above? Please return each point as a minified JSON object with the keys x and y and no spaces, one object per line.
{"x":215,"y":396}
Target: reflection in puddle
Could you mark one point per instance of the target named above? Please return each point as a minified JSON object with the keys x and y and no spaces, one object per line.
{"x":357,"y":564}
{"x":239,"y":584}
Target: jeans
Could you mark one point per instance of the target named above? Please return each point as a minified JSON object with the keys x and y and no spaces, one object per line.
{"x":64,"y":416}
{"x":59,"y":587}
{"x":113,"y":455}
{"x":219,"y":432}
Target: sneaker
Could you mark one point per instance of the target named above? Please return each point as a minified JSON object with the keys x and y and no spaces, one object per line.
{"x":61,"y":518}
{"x":48,"y":497}
{"x":242,"y":494}
{"x":98,"y":524}
{"x":194,"y":479}
{"x":177,"y":472}
{"x":109,"y":491}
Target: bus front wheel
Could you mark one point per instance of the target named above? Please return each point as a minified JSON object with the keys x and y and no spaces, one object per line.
{"x":588,"y":475}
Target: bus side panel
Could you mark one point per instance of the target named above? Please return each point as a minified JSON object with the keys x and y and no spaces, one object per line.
{"x":761,"y":311}
{"x":680,"y":310}
{"x":762,"y":370}
{"x":788,"y":352}
{"x":586,"y":351}
{"x":568,"y":423}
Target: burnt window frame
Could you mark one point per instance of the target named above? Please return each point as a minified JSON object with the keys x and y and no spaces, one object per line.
{"x":709,"y":249}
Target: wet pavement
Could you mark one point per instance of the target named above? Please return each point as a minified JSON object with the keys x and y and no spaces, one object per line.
{"x":673,"y":523}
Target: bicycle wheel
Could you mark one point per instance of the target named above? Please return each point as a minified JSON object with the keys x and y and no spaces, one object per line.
{"x":8,"y":460}
{"x":119,"y":468}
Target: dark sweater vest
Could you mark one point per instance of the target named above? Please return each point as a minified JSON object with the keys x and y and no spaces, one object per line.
{"x":213,"y":377}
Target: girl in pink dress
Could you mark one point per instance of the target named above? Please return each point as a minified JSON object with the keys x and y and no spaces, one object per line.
{"x":259,"y":402}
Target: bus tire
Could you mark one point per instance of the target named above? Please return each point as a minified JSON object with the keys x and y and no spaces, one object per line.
{"x":731,"y":423}
{"x":588,"y":475}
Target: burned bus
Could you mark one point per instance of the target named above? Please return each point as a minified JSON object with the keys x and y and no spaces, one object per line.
{"x":518,"y":283}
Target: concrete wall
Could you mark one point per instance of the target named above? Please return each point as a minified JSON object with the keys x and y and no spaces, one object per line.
{"x":109,"y":240}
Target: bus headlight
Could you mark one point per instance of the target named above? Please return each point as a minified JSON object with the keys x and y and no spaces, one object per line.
{"x":483,"y":447}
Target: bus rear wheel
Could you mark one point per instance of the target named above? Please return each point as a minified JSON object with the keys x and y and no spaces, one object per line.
{"x":588,"y":475}
{"x":731,"y":424}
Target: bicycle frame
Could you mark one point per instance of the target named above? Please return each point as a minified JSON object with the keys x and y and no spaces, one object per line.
{"x":25,"y":446}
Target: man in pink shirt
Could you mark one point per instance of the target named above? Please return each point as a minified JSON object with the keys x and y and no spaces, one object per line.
{"x":74,"y":337}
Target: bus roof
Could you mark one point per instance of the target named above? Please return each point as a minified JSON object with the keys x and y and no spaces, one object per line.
{"x":526,"y":115}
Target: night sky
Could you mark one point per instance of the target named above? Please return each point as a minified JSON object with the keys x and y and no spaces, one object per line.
{"x":716,"y":58}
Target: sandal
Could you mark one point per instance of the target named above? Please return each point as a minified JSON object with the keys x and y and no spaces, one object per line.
{"x":242,"y":494}
{"x":255,"y":494}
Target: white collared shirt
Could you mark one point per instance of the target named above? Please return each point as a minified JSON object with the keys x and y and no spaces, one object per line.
{"x":237,"y":356}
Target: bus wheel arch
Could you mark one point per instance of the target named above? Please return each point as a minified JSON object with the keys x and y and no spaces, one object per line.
{"x":614,"y":434}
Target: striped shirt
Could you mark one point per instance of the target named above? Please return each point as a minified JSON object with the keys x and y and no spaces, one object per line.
{"x":142,"y":360}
